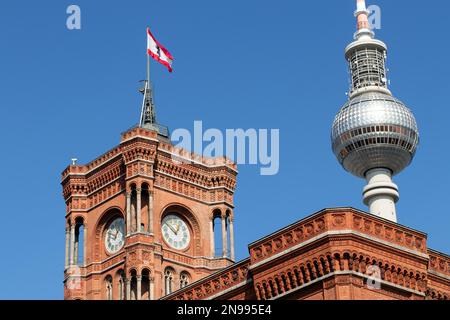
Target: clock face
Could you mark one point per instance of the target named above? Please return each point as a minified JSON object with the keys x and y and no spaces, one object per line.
{"x":175,"y":232}
{"x":115,"y":236}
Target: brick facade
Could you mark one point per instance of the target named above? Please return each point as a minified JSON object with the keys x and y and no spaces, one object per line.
{"x":339,"y":253}
{"x":147,"y":172}
{"x":335,"y":254}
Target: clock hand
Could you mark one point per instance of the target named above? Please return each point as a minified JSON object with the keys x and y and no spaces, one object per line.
{"x":178,"y":228}
{"x":171,"y":228}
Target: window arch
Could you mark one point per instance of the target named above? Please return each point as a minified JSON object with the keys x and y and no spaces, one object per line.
{"x":78,"y":245}
{"x":169,"y":274}
{"x":185,"y":279}
{"x":134,"y":209}
{"x":108,"y":288}
{"x":222,"y":237}
{"x":145,"y":286}
{"x":133,"y":285}
{"x":121,"y":288}
{"x":146,"y":211}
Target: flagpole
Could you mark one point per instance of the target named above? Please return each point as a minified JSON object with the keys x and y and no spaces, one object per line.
{"x":148,"y":70}
{"x":146,"y":88}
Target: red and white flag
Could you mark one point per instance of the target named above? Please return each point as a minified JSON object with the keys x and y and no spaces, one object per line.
{"x":158,"y":52}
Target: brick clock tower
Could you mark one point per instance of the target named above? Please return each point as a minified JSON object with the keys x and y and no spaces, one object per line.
{"x":140,"y":219}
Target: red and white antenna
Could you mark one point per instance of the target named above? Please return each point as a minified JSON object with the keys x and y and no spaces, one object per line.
{"x":362,"y":17}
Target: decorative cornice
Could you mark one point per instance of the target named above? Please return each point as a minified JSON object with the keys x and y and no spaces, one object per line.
{"x":439,"y":263}
{"x":335,"y":220}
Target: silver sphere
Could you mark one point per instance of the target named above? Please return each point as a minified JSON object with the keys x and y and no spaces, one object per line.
{"x":374,"y":130}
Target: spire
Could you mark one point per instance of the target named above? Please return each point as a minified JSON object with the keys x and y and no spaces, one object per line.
{"x":148,"y":116}
{"x":362,"y":17}
{"x":148,"y":113}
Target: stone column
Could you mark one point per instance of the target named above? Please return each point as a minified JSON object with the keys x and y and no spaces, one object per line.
{"x":67,"y":258}
{"x":151,"y":289}
{"x":85,"y":232}
{"x":231,"y":238}
{"x":138,"y":287}
{"x":138,"y":210}
{"x":211,"y":238}
{"x":128,"y":213}
{"x":150,"y":211}
{"x":128,"y":282}
{"x":224,"y":236}
{"x":72,"y":243}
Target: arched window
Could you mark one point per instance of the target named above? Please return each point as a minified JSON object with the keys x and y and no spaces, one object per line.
{"x":133,"y":285}
{"x":217,"y":229}
{"x":145,"y":208}
{"x":168,"y":280}
{"x":184,"y":279}
{"x":134,"y":209}
{"x":79,"y":234}
{"x":121,"y":285}
{"x":222,"y":240}
{"x":145,"y":285}
{"x":109,"y":288}
{"x":78,"y":242}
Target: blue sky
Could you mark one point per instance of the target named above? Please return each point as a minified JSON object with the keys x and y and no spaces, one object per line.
{"x":238,"y":64}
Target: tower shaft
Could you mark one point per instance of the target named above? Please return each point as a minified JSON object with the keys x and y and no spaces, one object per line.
{"x":381,"y":194}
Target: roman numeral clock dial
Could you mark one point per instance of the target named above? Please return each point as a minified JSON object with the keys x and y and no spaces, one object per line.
{"x":175,"y":232}
{"x":115,"y":236}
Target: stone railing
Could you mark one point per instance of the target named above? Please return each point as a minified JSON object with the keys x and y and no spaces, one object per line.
{"x":197,"y":262}
{"x":196,"y":158}
{"x":137,"y":131}
{"x":216,"y":283}
{"x":330,"y":220}
{"x":93,"y":267}
{"x":175,"y":151}
{"x":83,"y":169}
{"x":164,"y":146}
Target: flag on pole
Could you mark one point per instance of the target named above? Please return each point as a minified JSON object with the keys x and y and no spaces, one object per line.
{"x":158,"y":52}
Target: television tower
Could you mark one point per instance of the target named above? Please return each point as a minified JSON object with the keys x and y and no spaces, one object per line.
{"x":374,"y":135}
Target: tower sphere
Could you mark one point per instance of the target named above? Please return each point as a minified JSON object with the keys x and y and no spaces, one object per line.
{"x":374,"y":130}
